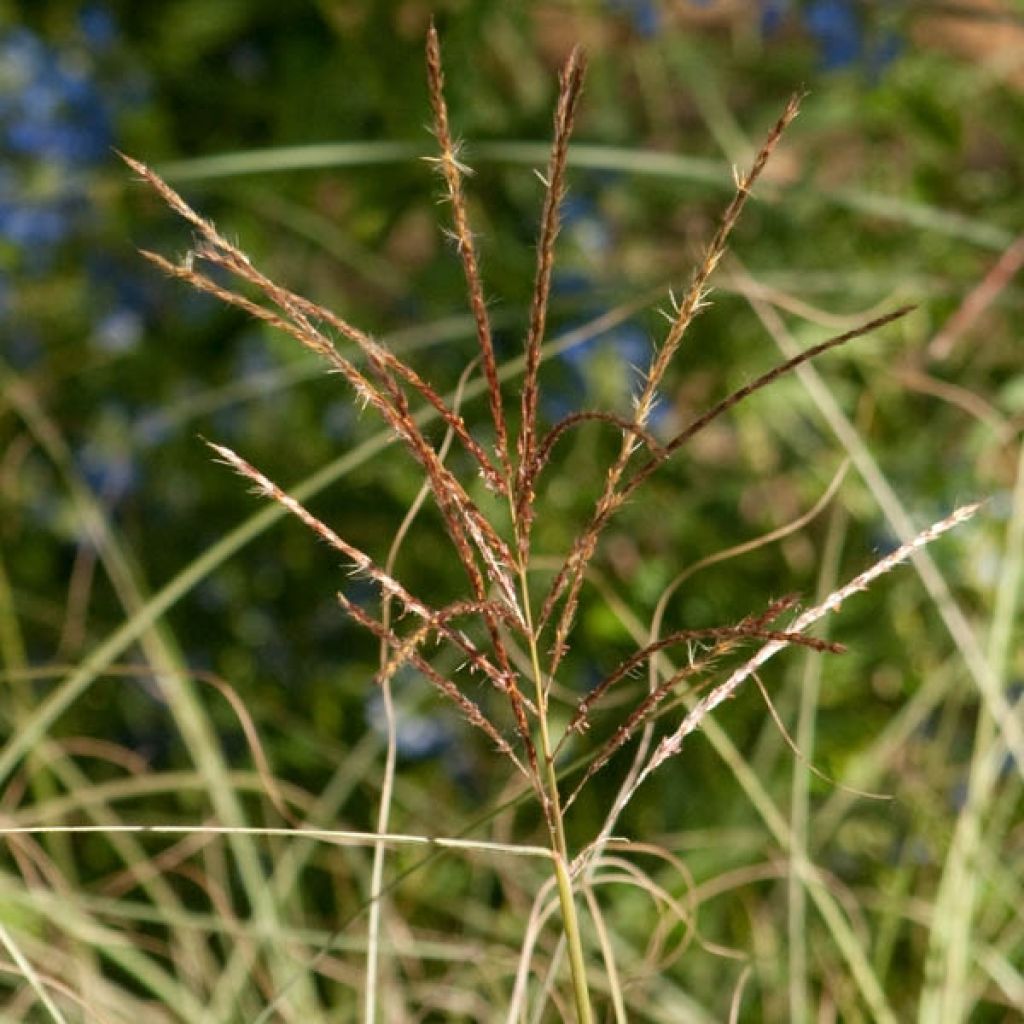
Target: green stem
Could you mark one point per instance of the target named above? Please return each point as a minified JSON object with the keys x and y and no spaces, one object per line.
{"x":556,"y":830}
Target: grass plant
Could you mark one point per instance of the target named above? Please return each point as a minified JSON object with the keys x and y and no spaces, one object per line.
{"x":494,"y":655}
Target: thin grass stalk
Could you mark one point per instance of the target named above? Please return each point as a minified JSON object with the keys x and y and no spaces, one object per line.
{"x":642,"y":713}
{"x":388,"y":667}
{"x":543,"y":907}
{"x":615,"y":987}
{"x":799,"y":802}
{"x":31,"y":976}
{"x":553,"y":813}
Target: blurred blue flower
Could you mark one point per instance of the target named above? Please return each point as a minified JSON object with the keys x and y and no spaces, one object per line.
{"x":119,"y":331}
{"x":644,"y":15}
{"x":97,"y":26}
{"x":50,"y":108}
{"x":56,"y":124}
{"x":835,"y":26}
{"x":33,"y":226}
{"x":773,"y":14}
{"x":840,"y":31}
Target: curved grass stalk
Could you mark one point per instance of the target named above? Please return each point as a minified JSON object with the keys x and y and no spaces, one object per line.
{"x":391,"y":748}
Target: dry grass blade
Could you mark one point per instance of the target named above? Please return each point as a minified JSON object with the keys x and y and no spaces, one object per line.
{"x":980,"y":298}
{"x":801,"y":756}
{"x":672,"y":744}
{"x":570,"y":89}
{"x":452,"y":171}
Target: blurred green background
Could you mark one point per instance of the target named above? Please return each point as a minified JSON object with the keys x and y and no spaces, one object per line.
{"x":133,"y":568}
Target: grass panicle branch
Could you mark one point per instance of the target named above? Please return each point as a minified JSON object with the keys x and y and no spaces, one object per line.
{"x":569,"y":579}
{"x":611,"y":502}
{"x":570,"y":90}
{"x":362,"y":563}
{"x":753,"y":628}
{"x":743,"y":631}
{"x":741,"y":394}
{"x":564,"y":425}
{"x":461,"y":515}
{"x":452,"y":170}
{"x":671,"y":745}
{"x":470,"y":710}
{"x":697,"y":293}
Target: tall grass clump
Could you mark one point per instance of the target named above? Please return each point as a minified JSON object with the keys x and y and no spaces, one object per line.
{"x":513,"y":626}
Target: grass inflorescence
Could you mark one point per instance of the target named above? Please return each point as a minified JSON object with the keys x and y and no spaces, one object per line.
{"x":505,"y":605}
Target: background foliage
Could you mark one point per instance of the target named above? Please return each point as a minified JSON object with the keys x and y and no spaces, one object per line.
{"x":901,"y":181}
